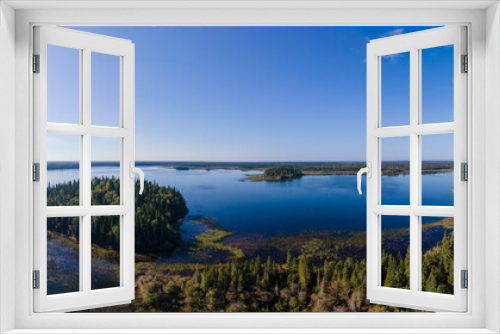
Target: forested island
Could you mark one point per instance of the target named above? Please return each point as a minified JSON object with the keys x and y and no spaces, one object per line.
{"x":319,"y":271}
{"x":279,"y":174}
{"x":296,"y":171}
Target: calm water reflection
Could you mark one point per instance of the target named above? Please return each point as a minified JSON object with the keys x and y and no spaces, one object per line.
{"x":271,"y":208}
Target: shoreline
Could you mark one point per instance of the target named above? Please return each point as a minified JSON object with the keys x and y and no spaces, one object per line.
{"x":261,"y":177}
{"x":211,"y":239}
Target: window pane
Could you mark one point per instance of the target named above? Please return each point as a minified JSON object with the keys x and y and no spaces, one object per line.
{"x":395,"y":251}
{"x":395,"y":180}
{"x":437,"y":255}
{"x":63,"y":255}
{"x":63,"y":170}
{"x":106,"y":171}
{"x":105,"y":252}
{"x":63,"y":85}
{"x":437,"y":84}
{"x":395,"y":91}
{"x":437,"y":170}
{"x":105,"y":90}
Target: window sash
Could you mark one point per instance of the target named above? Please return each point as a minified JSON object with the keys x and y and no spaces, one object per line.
{"x":85,"y":298}
{"x":414,"y":297}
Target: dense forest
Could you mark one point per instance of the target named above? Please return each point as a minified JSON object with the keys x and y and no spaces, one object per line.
{"x":158,"y":217}
{"x":437,"y":268}
{"x":302,"y":283}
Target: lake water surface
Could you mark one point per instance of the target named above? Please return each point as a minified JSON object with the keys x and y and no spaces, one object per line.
{"x":323,"y":202}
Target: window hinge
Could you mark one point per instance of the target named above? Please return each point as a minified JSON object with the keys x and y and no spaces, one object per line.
{"x":464,"y":171}
{"x":36,"y":63}
{"x":36,"y":172}
{"x":465,"y":279}
{"x":36,"y":279}
{"x":465,"y":64}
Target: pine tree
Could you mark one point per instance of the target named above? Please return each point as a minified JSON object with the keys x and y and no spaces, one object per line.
{"x":203,"y":284}
{"x":407,"y":269}
{"x":241,"y":283}
{"x":196,"y":275}
{"x":327,"y":275}
{"x":431,"y":283}
{"x":391,"y":268}
{"x":304,"y":274}
{"x":288,"y":260}
{"x":234,"y":278}
{"x":257,"y":270}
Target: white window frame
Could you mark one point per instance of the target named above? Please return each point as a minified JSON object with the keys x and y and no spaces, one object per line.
{"x":86,"y":44}
{"x":482,"y":19}
{"x":414,"y":43}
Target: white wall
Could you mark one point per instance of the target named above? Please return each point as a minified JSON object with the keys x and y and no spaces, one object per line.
{"x":493,"y":166}
{"x":7,"y":164}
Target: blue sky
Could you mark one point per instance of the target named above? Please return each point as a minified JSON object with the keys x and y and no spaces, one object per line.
{"x":250,"y":93}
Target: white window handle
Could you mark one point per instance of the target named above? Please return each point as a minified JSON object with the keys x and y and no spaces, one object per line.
{"x":368,"y":171}
{"x":133,"y":171}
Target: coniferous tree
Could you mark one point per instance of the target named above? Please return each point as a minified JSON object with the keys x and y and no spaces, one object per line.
{"x":304,"y":274}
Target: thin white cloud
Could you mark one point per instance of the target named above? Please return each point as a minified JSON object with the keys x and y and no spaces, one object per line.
{"x":394,"y":57}
{"x":393,"y":32}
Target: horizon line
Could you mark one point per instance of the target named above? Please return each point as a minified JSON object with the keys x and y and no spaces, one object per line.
{"x":255,"y":161}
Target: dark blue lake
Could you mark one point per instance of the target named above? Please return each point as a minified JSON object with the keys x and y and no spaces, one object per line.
{"x":324,"y":202}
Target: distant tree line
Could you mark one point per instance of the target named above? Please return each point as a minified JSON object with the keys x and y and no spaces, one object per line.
{"x":428,"y":167}
{"x":315,"y":168}
{"x":76,"y":164}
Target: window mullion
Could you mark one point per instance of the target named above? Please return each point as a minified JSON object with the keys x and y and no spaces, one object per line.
{"x":110,"y":210}
{"x":81,"y":224}
{"x":85,"y":254}
{"x":86,"y":138}
{"x":415,"y":179}
{"x":67,"y":129}
{"x":434,"y":129}
{"x":434,"y":211}
{"x":85,"y":241}
{"x":99,"y":131}
{"x":80,"y":130}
